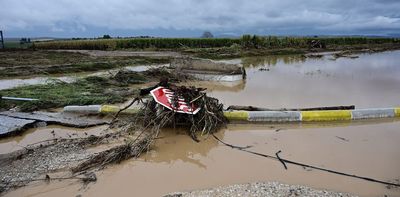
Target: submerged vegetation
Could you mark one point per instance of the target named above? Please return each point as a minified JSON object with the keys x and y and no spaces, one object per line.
{"x":91,"y":90}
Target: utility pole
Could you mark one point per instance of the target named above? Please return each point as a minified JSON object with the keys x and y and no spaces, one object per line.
{"x":1,"y":40}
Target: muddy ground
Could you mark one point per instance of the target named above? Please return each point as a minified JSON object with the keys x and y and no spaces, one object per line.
{"x":237,"y":52}
{"x":97,"y":53}
{"x":74,"y":157}
{"x":33,"y":62}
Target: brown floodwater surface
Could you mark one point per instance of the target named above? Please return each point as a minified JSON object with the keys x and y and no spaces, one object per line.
{"x":35,"y":135}
{"x":368,"y":148}
{"x":372,"y":80}
{"x":178,"y":163}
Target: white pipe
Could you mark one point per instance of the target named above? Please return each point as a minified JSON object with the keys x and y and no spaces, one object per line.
{"x":18,"y":99}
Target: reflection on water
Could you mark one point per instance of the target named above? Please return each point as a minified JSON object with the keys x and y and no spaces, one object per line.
{"x":272,"y":60}
{"x":11,"y":83}
{"x":176,"y":145}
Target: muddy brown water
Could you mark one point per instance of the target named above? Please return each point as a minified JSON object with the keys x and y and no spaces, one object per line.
{"x":366,"y":148}
{"x":372,"y":80}
{"x":36,"y":135}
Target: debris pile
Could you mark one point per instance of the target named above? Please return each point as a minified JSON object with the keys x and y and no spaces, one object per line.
{"x":179,"y":106}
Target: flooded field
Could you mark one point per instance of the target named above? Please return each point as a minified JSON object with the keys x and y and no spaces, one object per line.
{"x":177,"y":163}
{"x":372,"y":80}
{"x":15,"y":82}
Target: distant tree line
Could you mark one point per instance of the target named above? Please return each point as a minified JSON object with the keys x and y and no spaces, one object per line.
{"x":106,"y":36}
{"x":24,"y":40}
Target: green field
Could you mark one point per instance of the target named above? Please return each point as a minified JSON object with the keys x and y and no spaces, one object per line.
{"x":16,"y":45}
{"x":246,"y":41}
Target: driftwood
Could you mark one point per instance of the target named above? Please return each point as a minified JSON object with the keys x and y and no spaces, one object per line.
{"x":115,"y":154}
{"x":252,"y":108}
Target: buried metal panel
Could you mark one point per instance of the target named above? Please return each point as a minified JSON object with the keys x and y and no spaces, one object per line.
{"x":11,"y":125}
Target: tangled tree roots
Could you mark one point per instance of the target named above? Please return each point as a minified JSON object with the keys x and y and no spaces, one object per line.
{"x":153,"y":116}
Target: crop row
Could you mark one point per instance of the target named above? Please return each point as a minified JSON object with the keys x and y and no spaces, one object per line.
{"x":175,"y":43}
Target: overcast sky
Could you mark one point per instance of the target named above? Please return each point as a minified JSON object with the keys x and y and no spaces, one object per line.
{"x":189,"y":18}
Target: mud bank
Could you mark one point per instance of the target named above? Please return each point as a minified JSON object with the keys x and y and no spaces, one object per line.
{"x":73,"y":158}
{"x":31,"y":63}
{"x":238,"y":52}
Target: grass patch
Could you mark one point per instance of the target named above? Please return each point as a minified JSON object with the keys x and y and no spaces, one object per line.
{"x":87,"y":91}
{"x":16,"y":45}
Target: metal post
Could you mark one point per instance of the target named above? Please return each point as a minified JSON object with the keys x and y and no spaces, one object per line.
{"x":1,"y":40}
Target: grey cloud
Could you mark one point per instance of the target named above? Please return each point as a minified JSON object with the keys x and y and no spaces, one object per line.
{"x":346,"y":16}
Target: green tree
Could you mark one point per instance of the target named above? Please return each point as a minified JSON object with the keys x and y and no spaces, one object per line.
{"x":207,"y":34}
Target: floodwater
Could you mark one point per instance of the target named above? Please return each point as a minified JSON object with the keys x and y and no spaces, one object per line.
{"x":40,"y":134}
{"x":372,"y":80}
{"x":365,"y":148}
